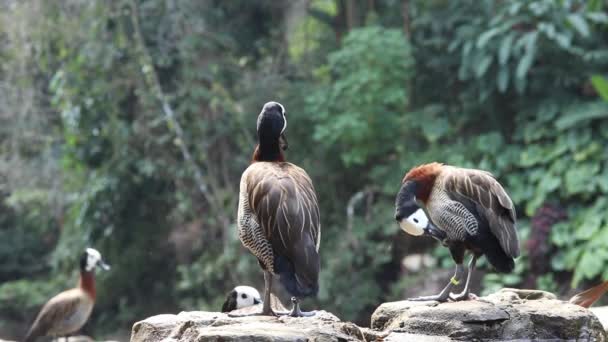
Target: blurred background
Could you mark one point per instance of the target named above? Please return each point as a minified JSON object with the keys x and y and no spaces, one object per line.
{"x":125,"y":125}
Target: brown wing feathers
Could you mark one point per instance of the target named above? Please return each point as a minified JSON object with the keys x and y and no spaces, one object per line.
{"x":482,"y":188}
{"x":52,"y":313}
{"x":285,"y":205}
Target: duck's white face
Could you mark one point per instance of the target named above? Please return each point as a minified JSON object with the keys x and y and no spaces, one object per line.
{"x":415,"y":223}
{"x":94,"y":259}
{"x":246,"y":296}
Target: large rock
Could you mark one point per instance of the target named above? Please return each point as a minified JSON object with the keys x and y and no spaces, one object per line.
{"x":79,"y":338}
{"x":215,"y":326}
{"x":509,"y":314}
{"x":602,"y":314}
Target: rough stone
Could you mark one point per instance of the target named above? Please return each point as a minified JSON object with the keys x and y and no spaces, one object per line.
{"x":215,"y":326}
{"x":78,"y":338}
{"x":509,"y":314}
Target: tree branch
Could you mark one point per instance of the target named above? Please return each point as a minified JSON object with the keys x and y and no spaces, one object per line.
{"x":322,"y":16}
{"x":151,"y":77}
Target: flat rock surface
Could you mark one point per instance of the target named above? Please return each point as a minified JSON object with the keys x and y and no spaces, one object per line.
{"x":509,"y":314}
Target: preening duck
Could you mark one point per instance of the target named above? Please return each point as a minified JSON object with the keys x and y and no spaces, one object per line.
{"x":278,"y":215}
{"x":68,"y":311}
{"x":241,"y":297}
{"x":468,"y":210}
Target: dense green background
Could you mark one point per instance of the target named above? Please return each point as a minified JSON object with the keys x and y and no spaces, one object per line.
{"x":88,"y":156}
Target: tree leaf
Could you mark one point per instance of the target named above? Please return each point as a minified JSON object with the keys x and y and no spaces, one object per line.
{"x":526,"y":62}
{"x":502,"y":80}
{"x":577,"y":178}
{"x":598,"y":17}
{"x":580,"y":113}
{"x":486,"y":36}
{"x":579,"y":23}
{"x":563,"y":40}
{"x":548,"y":29}
{"x":591,"y":226}
{"x":595,"y":5}
{"x":505,"y":49}
{"x":524,"y":65}
{"x":515,"y":7}
{"x":590,"y":264}
{"x":436,"y":129}
{"x":601,"y":86}
{"x":483,"y":66}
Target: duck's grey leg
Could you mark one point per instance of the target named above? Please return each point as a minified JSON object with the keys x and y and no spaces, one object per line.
{"x":444,"y":295}
{"x":464,"y":295}
{"x":266,"y":309}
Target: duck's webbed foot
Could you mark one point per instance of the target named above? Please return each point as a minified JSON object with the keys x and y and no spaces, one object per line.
{"x":444,"y":295}
{"x":463,"y":296}
{"x":295,"y":310}
{"x":441,"y":297}
{"x":269,"y":312}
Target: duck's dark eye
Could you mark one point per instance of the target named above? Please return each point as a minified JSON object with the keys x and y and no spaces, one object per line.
{"x":416,"y":220}
{"x":244,"y":296}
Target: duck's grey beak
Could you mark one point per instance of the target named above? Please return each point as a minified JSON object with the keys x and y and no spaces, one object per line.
{"x":257,"y":301}
{"x":103,"y":265}
{"x":434,"y":232}
{"x":283,"y":142}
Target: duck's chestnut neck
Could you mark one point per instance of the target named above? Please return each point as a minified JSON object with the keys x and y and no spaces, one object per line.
{"x":269,"y":153}
{"x":87,"y":283}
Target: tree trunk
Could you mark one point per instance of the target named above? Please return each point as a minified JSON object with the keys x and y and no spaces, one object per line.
{"x":405,"y":13}
{"x":351,"y":14}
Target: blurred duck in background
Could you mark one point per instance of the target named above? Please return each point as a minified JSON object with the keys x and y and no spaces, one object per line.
{"x":68,"y":311}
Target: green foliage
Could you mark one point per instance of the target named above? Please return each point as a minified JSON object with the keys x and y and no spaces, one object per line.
{"x":366,"y":93}
{"x":24,"y":218}
{"x":22,"y":298}
{"x":507,"y":86}
{"x":601,"y":86}
{"x":365,"y":251}
{"x":527,"y":63}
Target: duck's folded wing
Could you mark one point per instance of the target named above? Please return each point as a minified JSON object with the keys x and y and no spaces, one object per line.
{"x":482,"y":188}
{"x":53,"y":313}
{"x":286,"y":207}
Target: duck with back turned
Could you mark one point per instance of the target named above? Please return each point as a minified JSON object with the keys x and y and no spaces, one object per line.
{"x":278,"y":214}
